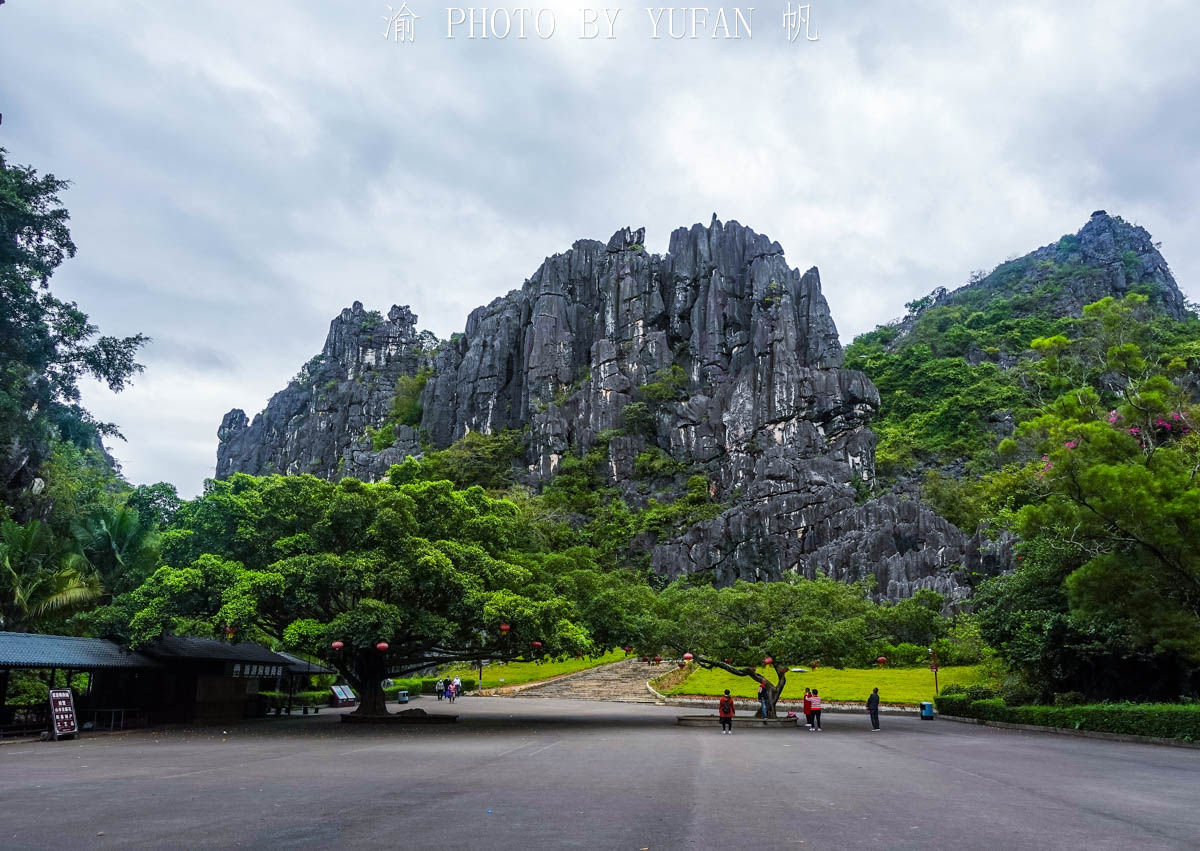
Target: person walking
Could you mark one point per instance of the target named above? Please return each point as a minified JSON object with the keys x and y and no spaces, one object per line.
{"x":764,"y":699}
{"x":808,"y":707}
{"x":725,"y":710}
{"x":873,"y":708}
{"x":457,"y":687}
{"x":815,"y":703}
{"x":439,"y":688}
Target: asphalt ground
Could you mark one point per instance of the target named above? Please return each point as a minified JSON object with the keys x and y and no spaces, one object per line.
{"x":550,"y":773}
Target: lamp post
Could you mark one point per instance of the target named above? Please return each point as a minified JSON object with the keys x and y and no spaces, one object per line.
{"x":933,"y":666}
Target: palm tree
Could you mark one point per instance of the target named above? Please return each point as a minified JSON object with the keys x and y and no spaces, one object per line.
{"x":40,"y":576}
{"x":121,"y":547}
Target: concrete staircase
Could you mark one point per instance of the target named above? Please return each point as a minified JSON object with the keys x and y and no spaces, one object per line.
{"x":623,"y":681}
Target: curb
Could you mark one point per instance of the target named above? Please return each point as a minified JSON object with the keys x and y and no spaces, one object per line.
{"x":1079,"y":734}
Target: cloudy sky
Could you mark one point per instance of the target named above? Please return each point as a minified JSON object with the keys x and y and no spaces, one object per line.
{"x":242,"y":171}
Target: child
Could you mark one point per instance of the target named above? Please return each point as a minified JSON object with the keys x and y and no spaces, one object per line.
{"x":815,"y":703}
{"x":725,"y":710}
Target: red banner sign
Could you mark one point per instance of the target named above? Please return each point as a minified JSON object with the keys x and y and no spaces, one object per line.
{"x":62,"y":712}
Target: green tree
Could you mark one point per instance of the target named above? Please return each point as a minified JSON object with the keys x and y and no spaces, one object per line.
{"x":428,"y":569}
{"x":736,"y":627}
{"x":46,"y":345}
{"x":41,"y":576}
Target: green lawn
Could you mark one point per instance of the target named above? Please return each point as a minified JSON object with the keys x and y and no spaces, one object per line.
{"x":896,"y":685}
{"x":515,"y":673}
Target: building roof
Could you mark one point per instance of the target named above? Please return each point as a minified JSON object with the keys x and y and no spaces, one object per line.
{"x":26,"y":650}
{"x":193,"y":647}
{"x":299,"y":666}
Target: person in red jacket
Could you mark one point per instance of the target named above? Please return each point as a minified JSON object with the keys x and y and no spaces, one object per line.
{"x":725,"y":710}
{"x":808,"y":707}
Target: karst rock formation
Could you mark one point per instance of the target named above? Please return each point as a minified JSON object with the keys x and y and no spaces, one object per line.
{"x":765,"y":410}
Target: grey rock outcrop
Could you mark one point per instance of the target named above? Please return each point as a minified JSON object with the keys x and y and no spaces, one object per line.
{"x":749,"y":392}
{"x":319,"y":423}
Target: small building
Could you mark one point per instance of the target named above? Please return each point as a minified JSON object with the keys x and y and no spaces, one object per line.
{"x":206,"y":681}
{"x":174,"y":679}
{"x":120,"y":687}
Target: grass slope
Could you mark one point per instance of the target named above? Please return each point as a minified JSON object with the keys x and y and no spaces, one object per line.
{"x":515,"y":673}
{"x":896,"y":685}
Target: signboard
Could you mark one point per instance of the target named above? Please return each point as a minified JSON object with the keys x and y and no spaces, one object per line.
{"x":62,"y":713}
{"x":237,"y":669}
{"x":934,"y":669}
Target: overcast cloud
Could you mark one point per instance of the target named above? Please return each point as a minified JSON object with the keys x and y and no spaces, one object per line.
{"x":242,"y":171}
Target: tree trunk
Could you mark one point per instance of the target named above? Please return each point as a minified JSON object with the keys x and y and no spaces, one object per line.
{"x":773,"y":691}
{"x":366,"y":677}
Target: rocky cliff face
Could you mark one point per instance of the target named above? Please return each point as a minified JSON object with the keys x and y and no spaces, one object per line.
{"x":319,"y":423}
{"x":734,"y":361}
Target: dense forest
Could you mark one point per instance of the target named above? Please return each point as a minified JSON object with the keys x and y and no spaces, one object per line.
{"x":1019,"y":405}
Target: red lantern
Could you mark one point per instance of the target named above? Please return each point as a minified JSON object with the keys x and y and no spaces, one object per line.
{"x":882,"y":660}
{"x":337,"y":645}
{"x":728,"y":661}
{"x":536,"y":645}
{"x":643,"y":658}
{"x":229,"y":630}
{"x":682,"y":664}
{"x":767,"y":662}
{"x":382,"y":646}
{"x":627,"y":649}
{"x":504,"y":628}
{"x":658,"y":658}
{"x":687,"y":657}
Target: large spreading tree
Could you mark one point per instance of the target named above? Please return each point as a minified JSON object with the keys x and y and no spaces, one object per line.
{"x":430,"y":570}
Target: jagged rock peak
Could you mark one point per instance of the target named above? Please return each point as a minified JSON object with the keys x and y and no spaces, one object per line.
{"x":734,"y":362}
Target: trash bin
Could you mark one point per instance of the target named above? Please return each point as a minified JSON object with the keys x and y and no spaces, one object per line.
{"x":926,"y":711}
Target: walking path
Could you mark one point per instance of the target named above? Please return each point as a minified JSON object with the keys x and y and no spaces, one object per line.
{"x":623,"y":681}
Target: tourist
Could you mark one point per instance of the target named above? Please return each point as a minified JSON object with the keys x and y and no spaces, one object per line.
{"x":449,"y":691}
{"x":873,"y":708}
{"x":725,"y":709}
{"x":439,"y":688}
{"x":808,"y":707}
{"x":815,"y":703}
{"x":764,"y":697}
{"x":457,"y":687}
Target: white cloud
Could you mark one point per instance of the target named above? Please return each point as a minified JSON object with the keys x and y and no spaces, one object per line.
{"x":244,"y":171}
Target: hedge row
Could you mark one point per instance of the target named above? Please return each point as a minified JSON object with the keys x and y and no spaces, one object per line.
{"x":421,"y":686}
{"x":1161,"y":720}
{"x":301,"y":698}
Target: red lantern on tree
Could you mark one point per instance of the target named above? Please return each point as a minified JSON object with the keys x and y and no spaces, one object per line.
{"x":657,"y":659}
{"x":382,"y":646}
{"x":627,"y":648}
{"x":728,"y":661}
{"x":337,"y":645}
{"x":536,"y":645}
{"x":504,"y":628}
{"x":768,"y":661}
{"x":687,"y":657}
{"x":882,"y":660}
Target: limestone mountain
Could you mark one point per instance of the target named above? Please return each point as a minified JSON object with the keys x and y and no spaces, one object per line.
{"x":945,"y":371}
{"x":715,"y":360}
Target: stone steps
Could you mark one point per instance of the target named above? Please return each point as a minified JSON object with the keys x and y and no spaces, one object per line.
{"x":623,"y":681}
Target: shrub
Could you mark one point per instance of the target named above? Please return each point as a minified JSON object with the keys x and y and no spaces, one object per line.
{"x":1158,"y":720}
{"x":980,"y":693}
{"x":1019,"y":695}
{"x":638,"y":419}
{"x":954,"y":688}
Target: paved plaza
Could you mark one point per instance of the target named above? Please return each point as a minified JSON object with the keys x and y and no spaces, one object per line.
{"x":523,"y":773}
